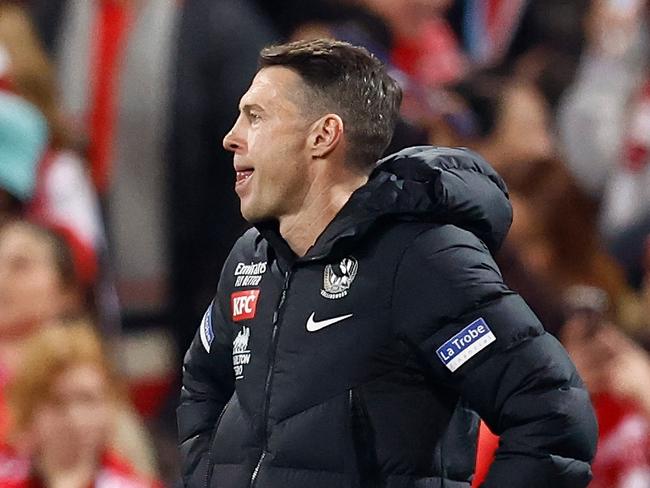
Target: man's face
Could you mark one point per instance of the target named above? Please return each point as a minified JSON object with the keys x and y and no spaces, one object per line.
{"x":269,"y":142}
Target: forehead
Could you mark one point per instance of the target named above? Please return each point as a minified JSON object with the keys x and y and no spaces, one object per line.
{"x":79,"y":376}
{"x":275,"y":87}
{"x":24,"y":240}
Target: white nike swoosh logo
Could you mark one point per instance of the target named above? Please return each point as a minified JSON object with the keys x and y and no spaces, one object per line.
{"x":314,"y":325}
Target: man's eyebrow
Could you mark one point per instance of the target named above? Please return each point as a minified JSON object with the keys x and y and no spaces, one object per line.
{"x":246,"y":108}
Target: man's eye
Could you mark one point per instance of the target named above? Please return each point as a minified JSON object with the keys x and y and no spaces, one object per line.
{"x":254,"y":116}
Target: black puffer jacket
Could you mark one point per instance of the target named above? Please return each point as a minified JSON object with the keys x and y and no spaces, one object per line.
{"x":362,"y":364}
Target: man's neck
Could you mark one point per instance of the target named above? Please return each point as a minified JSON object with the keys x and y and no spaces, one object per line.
{"x":319,"y":208}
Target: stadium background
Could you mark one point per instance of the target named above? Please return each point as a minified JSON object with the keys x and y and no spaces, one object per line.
{"x":111,"y":119}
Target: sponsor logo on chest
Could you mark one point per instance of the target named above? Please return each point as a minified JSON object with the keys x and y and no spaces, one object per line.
{"x":249,"y":274}
{"x":241,"y":355}
{"x":244,"y":304}
{"x":337,"y":278}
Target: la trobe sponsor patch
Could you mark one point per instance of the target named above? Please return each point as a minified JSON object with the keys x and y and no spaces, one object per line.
{"x":465,"y":344}
{"x":337,"y":278}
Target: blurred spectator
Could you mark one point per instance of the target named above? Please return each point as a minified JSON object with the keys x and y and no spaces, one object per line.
{"x":27,"y":70}
{"x":166,"y":184}
{"x":505,"y":119}
{"x":425,"y":46}
{"x":63,"y":406}
{"x":603,"y":122}
{"x":524,"y":259}
{"x":113,"y":59}
{"x":43,"y":277}
{"x":555,"y":25}
{"x":413,"y":35}
{"x":617,"y":374}
{"x":23,"y":138}
{"x":40,"y":281}
{"x":566,"y":247}
{"x":540,"y":41}
{"x":62,"y":193}
{"x":554,"y":242}
{"x":152,"y":86}
{"x":616,"y":371}
{"x":488,"y":27}
{"x":359,"y":26}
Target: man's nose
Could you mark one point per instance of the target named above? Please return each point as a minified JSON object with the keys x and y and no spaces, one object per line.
{"x":232,"y":141}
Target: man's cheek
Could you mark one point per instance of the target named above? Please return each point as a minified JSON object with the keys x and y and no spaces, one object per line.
{"x":252,"y":137}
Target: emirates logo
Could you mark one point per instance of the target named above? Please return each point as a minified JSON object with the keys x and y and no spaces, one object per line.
{"x":338,"y":278}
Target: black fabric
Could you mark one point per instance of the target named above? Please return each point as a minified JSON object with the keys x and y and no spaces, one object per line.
{"x":367,"y":401}
{"x":215,"y":62}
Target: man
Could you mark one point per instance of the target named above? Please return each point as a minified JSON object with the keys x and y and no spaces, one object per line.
{"x":362,"y":322}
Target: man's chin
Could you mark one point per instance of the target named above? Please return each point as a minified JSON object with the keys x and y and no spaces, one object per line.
{"x":251,"y":216}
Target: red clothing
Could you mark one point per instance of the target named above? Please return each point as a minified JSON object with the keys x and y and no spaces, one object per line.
{"x":487,"y":446}
{"x":112,"y":25}
{"x":4,"y":411}
{"x":15,"y":472}
{"x":623,"y":455}
{"x":65,"y":200}
{"x":432,"y":57}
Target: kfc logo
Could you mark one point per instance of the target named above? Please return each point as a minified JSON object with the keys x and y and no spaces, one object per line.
{"x":244,"y":304}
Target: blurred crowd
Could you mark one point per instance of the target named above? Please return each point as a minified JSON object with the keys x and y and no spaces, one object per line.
{"x":117,"y":206}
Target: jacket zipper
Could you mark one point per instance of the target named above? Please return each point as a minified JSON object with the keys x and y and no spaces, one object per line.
{"x":257,"y":468}
{"x":269,"y":373}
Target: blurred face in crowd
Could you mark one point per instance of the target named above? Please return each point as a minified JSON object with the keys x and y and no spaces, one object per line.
{"x":74,"y":420}
{"x":406,"y":16}
{"x":32,"y":289}
{"x":523,"y":128}
{"x":527,"y":236}
{"x":269,"y":142}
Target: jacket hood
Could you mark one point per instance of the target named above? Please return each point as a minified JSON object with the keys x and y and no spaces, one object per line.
{"x":451,"y":185}
{"x":423,"y":183}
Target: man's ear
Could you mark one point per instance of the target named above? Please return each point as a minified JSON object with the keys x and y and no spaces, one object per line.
{"x":326,"y":134}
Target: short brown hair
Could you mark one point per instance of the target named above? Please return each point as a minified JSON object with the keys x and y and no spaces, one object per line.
{"x":50,"y":352}
{"x":350,"y":82}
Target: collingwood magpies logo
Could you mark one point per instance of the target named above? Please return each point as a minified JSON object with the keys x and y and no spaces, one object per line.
{"x":337,"y":278}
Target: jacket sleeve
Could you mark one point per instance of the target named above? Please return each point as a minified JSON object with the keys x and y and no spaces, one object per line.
{"x":480,"y":339}
{"x":208,"y":384}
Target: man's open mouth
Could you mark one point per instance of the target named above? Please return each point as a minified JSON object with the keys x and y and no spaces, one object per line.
{"x":243,"y":175}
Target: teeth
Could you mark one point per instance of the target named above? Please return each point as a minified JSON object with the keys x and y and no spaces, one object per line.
{"x":243,"y":175}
